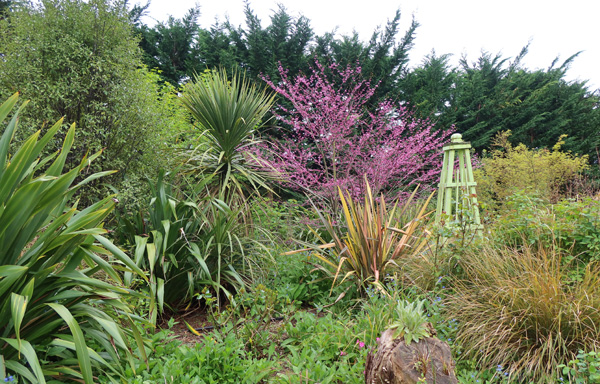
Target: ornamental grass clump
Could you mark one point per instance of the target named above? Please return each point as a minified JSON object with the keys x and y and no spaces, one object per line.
{"x":519,"y":310}
{"x":370,"y":240}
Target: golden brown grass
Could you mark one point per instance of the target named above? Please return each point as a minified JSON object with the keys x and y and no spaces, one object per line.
{"x":518,"y":310}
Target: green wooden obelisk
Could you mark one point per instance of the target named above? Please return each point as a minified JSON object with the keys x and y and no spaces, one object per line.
{"x":456,"y":190}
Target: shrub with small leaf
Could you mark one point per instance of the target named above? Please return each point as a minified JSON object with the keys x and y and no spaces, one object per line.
{"x":546,"y":173}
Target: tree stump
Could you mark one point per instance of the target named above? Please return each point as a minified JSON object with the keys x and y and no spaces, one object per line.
{"x":429,"y":360}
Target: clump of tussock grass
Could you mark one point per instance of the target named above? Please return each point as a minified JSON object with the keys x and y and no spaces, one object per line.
{"x":519,"y":310}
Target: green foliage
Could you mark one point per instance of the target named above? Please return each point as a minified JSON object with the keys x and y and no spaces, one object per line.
{"x":260,"y":50}
{"x":59,"y":286}
{"x":296,"y":278}
{"x":168,"y":46}
{"x":543,"y":172}
{"x":161,"y":243}
{"x":285,"y":220}
{"x":249,"y":315}
{"x":325,"y":351}
{"x":384,"y":59}
{"x":572,"y":226}
{"x":428,"y":89}
{"x":4,"y":6}
{"x":79,"y":59}
{"x":370,"y":241}
{"x":216,"y":359}
{"x":492,"y":95}
{"x":228,"y":113}
{"x":410,"y":322}
{"x":585,"y":368}
{"x":188,"y":244}
{"x":518,"y":309}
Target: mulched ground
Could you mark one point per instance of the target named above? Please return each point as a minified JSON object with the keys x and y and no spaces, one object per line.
{"x":200,"y":320}
{"x":197,"y":318}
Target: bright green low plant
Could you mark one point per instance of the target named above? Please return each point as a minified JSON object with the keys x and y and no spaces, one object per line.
{"x":584,"y":369}
{"x":370,"y":241}
{"x":59,"y":289}
{"x":574,"y":226}
{"x":215,"y":359}
{"x":410,"y":322}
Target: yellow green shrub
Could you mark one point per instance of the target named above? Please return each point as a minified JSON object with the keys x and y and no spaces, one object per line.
{"x":543,"y":172}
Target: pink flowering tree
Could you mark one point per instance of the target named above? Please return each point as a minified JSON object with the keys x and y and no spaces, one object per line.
{"x":336,"y":140}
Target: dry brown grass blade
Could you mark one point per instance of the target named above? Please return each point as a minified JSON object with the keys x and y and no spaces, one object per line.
{"x":518,"y":309}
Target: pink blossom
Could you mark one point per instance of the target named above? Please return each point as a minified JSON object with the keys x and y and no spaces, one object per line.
{"x":337,"y":138}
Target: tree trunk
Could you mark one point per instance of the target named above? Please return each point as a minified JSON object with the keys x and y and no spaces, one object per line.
{"x":428,"y":359}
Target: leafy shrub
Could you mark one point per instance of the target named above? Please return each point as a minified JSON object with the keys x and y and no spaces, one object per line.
{"x":59,"y":290}
{"x":542,"y":172}
{"x":518,"y":310}
{"x":573,"y":226}
{"x":370,"y":241}
{"x":80,"y":59}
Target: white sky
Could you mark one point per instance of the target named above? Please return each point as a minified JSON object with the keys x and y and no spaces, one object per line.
{"x":554,"y":27}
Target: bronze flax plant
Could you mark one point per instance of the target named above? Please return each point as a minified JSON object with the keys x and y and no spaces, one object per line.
{"x":370,"y":243}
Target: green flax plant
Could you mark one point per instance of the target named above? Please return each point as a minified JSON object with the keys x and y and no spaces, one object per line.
{"x":229,"y":114}
{"x":161,"y":243}
{"x":517,"y":308}
{"x":60,"y":292}
{"x":370,"y":241}
{"x":188,"y":243}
